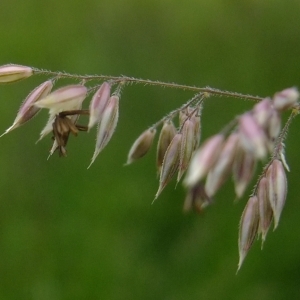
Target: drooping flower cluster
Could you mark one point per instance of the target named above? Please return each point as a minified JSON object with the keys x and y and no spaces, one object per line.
{"x":233,"y":152}
{"x":65,"y":107}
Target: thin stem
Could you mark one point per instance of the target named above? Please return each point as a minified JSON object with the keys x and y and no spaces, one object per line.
{"x":172,"y":114}
{"x":126,"y":79}
{"x":278,"y":147}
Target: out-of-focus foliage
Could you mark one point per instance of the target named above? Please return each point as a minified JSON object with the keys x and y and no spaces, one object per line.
{"x":71,"y":233}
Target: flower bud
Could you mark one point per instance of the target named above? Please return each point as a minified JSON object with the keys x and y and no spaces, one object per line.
{"x":253,"y":138}
{"x":12,"y":73}
{"x":63,"y":99}
{"x":277,"y":184}
{"x":265,"y":209}
{"x":262,"y":112}
{"x":218,"y":174}
{"x":274,"y":127}
{"x":170,"y":163}
{"x":285,"y":99}
{"x":166,"y":135}
{"x":204,"y":159}
{"x":98,"y":104}
{"x":196,"y":199}
{"x":107,"y":125}
{"x":197,"y":127}
{"x":248,"y":228}
{"x":243,"y":170}
{"x":187,"y":146}
{"x":27,"y":110}
{"x":141,"y":146}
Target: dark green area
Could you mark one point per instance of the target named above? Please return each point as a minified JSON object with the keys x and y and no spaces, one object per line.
{"x":71,"y":233}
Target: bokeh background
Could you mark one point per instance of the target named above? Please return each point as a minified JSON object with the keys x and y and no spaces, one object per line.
{"x":71,"y":233}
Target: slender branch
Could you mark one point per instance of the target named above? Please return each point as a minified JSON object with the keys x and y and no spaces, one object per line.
{"x":126,"y":79}
{"x":278,"y":147}
{"x":173,"y":113}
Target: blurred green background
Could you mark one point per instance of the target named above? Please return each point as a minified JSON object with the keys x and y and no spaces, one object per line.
{"x":71,"y":233}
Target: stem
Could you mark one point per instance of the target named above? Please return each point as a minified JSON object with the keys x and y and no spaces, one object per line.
{"x":126,"y":79}
{"x":278,"y":147}
{"x":172,"y":114}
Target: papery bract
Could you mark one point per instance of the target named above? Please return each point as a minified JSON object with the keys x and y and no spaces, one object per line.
{"x":219,"y":173}
{"x":252,"y":136}
{"x":285,"y":99}
{"x":12,"y":73}
{"x":63,"y":99}
{"x":107,"y":125}
{"x":98,"y":104}
{"x":248,"y":228}
{"x":277,"y":185}
{"x":27,"y":109}
{"x":170,"y":164}
{"x":265,"y":209}
{"x":166,"y":135}
{"x":187,"y":146}
{"x":141,"y":146}
{"x":243,"y":169}
{"x":196,"y":199}
{"x":203,"y":159}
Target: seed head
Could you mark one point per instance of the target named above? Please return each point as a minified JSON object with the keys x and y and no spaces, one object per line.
{"x":248,"y":228}
{"x":277,"y":185}
{"x":98,"y":104}
{"x":252,"y":136}
{"x":187,"y":146}
{"x":27,"y":110}
{"x":13,"y":73}
{"x":265,"y":209}
{"x":141,"y":146}
{"x":107,"y":125}
{"x":196,"y":199}
{"x":63,"y":99}
{"x":220,"y":171}
{"x":166,"y":135}
{"x":204,"y":159}
{"x":262,"y":112}
{"x":285,"y":99}
{"x":243,"y":169}
{"x":170,"y":163}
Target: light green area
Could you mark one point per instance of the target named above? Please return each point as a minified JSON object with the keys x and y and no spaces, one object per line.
{"x":71,"y":233}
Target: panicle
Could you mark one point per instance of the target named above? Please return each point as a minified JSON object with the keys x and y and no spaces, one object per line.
{"x":27,"y":110}
{"x":166,"y":135}
{"x":98,"y":104}
{"x":277,"y":184}
{"x":204,"y":159}
{"x":248,"y":228}
{"x":141,"y":146}
{"x":170,"y":163}
{"x":13,"y":73}
{"x":107,"y":125}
